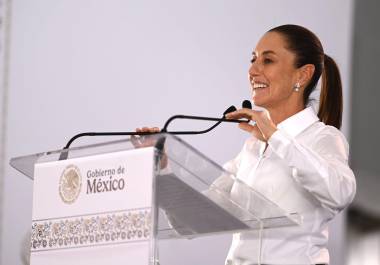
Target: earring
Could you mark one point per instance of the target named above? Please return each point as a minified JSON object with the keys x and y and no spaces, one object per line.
{"x":297,"y":87}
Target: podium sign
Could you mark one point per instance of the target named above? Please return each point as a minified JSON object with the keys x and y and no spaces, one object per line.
{"x":93,"y":210}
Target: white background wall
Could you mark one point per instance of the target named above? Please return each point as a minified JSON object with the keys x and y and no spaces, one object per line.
{"x":114,"y":65}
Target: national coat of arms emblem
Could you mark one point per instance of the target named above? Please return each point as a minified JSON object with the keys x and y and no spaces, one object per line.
{"x":70,"y":184}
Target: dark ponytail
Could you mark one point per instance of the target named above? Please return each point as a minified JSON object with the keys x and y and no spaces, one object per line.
{"x":331,"y":99}
{"x":308,"y":50}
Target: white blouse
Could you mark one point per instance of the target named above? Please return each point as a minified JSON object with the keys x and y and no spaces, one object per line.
{"x":304,"y":169}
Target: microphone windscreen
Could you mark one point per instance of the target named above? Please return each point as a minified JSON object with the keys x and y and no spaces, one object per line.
{"x":247,"y":104}
{"x":230,"y":109}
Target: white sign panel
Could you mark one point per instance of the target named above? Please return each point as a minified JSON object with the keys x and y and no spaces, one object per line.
{"x":93,"y":210}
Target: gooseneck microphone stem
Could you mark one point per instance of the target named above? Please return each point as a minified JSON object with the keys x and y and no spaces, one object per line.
{"x":164,"y":130}
{"x":104,"y":134}
{"x":64,"y":153}
{"x":188,"y":117}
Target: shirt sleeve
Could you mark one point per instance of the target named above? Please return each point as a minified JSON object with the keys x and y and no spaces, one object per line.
{"x":321,"y":168}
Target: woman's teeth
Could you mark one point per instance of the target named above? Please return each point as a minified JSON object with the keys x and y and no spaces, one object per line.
{"x":256,"y":85}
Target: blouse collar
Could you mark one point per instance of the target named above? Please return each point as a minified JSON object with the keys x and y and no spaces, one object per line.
{"x":297,"y":123}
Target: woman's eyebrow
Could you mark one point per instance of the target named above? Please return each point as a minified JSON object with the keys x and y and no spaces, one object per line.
{"x":268,"y":52}
{"x":263,"y":53}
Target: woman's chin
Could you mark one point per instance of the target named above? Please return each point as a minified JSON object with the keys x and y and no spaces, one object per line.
{"x":257,"y":101}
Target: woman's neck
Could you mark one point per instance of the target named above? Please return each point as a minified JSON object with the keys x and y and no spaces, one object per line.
{"x":280,"y":114}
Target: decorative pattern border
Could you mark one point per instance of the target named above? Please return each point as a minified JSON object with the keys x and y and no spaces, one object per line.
{"x":91,"y":230}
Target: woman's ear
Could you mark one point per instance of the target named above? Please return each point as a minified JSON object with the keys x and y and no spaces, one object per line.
{"x":305,"y":74}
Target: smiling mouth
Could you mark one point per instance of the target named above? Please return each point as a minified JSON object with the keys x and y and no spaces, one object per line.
{"x":258,"y":86}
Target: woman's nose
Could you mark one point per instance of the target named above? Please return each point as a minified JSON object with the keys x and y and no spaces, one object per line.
{"x":254,"y":70}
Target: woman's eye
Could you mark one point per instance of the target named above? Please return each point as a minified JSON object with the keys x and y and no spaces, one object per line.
{"x":253,"y":59}
{"x":267,"y":61}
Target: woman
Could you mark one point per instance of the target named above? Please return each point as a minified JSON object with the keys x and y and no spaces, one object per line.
{"x":295,"y":158}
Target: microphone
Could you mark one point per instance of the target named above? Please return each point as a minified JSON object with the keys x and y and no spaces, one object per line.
{"x":246,"y":104}
{"x":230,"y":109}
{"x":64,"y":153}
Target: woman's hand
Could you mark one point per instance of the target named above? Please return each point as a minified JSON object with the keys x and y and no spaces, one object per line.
{"x":264,"y":127}
{"x":140,"y":141}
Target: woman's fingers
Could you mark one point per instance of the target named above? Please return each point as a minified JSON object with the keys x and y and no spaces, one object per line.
{"x":246,"y":127}
{"x":252,"y":129}
{"x":245,"y":113}
{"x":140,"y":141}
{"x":136,"y":142}
{"x":241,"y":113}
{"x":148,"y":129}
{"x":264,"y":126}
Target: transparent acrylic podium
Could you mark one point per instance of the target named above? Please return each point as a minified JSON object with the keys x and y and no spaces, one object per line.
{"x":192,"y":195}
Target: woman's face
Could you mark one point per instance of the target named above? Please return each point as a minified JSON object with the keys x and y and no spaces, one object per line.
{"x":272,"y":73}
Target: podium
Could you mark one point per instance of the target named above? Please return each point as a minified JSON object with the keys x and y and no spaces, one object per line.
{"x":113,"y":202}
